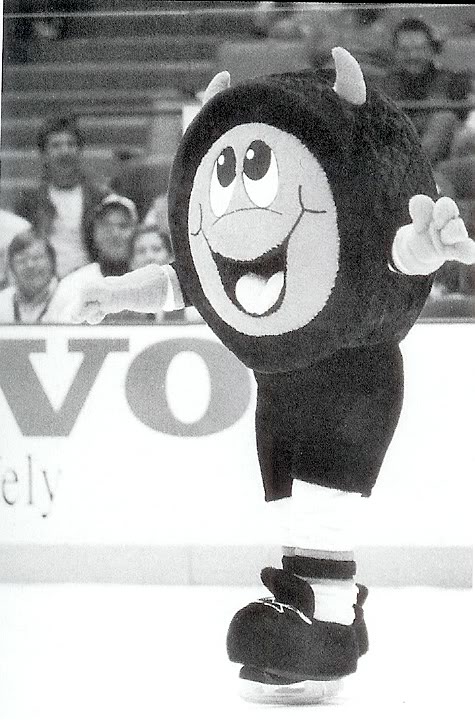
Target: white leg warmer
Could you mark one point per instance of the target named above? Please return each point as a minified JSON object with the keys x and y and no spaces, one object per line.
{"x":320,"y":523}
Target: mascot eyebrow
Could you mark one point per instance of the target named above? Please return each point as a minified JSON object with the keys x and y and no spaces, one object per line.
{"x":303,"y":210}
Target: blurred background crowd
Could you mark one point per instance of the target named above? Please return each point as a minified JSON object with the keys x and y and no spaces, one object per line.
{"x":96,"y":94}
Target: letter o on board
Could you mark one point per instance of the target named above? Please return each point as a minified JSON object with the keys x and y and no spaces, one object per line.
{"x":230,"y":387}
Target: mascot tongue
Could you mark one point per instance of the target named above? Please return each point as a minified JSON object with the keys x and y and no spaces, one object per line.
{"x":257,"y":294}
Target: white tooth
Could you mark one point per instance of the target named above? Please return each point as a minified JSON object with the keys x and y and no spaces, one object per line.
{"x":256,"y":295}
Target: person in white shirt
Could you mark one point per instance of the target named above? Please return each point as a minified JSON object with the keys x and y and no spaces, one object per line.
{"x":61,"y":206}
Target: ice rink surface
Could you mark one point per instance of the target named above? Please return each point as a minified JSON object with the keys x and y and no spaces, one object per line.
{"x":103,"y":653}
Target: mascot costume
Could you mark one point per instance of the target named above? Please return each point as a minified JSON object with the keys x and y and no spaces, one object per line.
{"x":306,"y":231}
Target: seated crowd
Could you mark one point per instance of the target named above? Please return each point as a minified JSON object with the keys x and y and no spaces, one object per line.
{"x":69,"y":225}
{"x":68,"y":228}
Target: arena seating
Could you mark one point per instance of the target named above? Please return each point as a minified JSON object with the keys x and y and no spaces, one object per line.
{"x":126,"y":74}
{"x":251,"y":58}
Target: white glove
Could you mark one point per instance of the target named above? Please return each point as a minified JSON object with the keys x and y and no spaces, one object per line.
{"x":94,"y":300}
{"x":436,"y":234}
{"x":143,"y":290}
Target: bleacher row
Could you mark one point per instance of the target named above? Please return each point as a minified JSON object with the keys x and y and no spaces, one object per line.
{"x":126,"y":74}
{"x":118,"y":101}
{"x":128,"y":78}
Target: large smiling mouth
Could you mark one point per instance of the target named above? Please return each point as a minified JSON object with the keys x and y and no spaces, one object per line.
{"x":256,"y":287}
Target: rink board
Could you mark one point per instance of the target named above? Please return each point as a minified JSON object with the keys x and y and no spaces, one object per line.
{"x":128,"y":454}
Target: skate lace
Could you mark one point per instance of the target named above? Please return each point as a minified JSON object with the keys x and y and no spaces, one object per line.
{"x":280,"y":607}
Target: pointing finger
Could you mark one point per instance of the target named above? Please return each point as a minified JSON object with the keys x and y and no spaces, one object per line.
{"x":420,"y":210}
{"x":445,"y":209}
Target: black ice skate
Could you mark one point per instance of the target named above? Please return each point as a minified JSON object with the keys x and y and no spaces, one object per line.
{"x":287,"y":655}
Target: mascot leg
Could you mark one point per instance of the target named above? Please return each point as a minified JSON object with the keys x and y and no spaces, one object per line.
{"x":298,"y":645}
{"x":322,"y":434}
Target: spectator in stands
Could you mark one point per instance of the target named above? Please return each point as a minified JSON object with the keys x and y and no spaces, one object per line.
{"x":10,"y":226}
{"x":35,"y":295}
{"x":414,"y":76}
{"x":114,"y":224}
{"x":150,"y":245}
{"x":61,"y":205}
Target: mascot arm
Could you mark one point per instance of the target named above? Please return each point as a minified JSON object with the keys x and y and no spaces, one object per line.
{"x":146,"y":290}
{"x":436,"y":234}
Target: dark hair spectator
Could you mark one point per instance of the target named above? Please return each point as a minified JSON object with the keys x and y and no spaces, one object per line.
{"x":60,"y":205}
{"x":416,"y":25}
{"x":59,"y":124}
{"x":424,"y":89}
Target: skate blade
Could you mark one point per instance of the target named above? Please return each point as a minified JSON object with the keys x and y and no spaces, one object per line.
{"x":305,"y":692}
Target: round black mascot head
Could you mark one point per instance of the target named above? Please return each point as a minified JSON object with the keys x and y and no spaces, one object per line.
{"x":285,"y":196}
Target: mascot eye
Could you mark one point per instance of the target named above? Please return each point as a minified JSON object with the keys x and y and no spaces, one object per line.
{"x":223,"y":181}
{"x":261,"y":176}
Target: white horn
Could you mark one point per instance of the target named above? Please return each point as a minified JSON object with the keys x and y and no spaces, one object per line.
{"x":220,"y":82}
{"x":349,"y":81}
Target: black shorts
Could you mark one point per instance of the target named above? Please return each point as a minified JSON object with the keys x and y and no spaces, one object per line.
{"x":329,"y":424}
